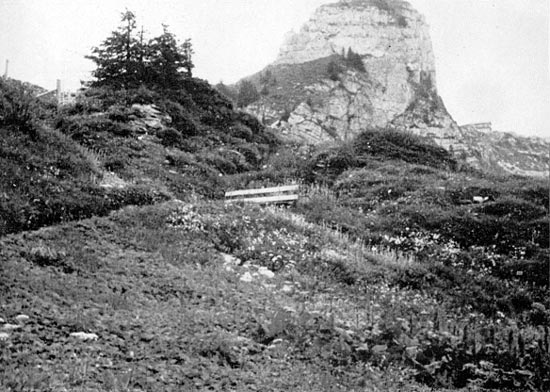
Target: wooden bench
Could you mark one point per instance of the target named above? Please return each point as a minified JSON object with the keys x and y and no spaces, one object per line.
{"x":287,"y":194}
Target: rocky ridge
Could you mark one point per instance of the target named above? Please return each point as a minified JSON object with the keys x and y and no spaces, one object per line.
{"x":306,"y":101}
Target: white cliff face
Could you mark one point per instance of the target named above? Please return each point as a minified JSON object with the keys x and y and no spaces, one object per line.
{"x":394,"y":44}
{"x":307,"y":103}
{"x":399,"y":35}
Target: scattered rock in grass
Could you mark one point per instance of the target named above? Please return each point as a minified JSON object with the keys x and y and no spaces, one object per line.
{"x":147,"y":337}
{"x":265,"y":272}
{"x":84,"y":336}
{"x":363,"y":348}
{"x":379,"y":349}
{"x":412,"y":351}
{"x":11,"y":327}
{"x":289,"y":309}
{"x":4,"y":336}
{"x":275,"y":344}
{"x":247,"y":277}
{"x":22,"y":318}
{"x":229,"y":260}
{"x":287,"y":289}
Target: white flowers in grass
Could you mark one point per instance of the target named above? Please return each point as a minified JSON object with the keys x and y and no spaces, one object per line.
{"x":186,"y":219}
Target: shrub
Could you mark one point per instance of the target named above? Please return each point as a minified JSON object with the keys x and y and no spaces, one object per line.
{"x":241,"y":131}
{"x":333,"y":71}
{"x":513,"y":208}
{"x":116,"y":164}
{"x":247,"y":94}
{"x":170,"y":137}
{"x":182,"y":120}
{"x":250,"y":152}
{"x":328,"y":163}
{"x":120,"y":113}
{"x":391,"y":144}
{"x":18,"y":106}
{"x":82,"y":128}
{"x":355,"y":61}
{"x":224,"y":165}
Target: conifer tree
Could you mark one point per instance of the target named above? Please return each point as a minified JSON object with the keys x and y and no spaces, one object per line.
{"x":226,"y":91}
{"x":247,"y":94}
{"x":119,"y":58}
{"x":188,"y":52}
{"x":167,"y":59}
{"x":126,"y":60}
{"x":354,"y":60}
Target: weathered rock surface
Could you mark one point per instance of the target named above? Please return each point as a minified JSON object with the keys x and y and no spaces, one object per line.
{"x":394,"y":44}
{"x":148,"y":118}
{"x":477,"y":144}
{"x":307,"y":101}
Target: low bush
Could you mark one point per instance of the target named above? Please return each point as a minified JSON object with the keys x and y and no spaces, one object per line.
{"x":18,"y":107}
{"x":85,"y":128}
{"x":390,"y":144}
{"x":182,"y":120}
{"x":241,"y":131}
{"x":74,"y":202}
{"x":101,"y":99}
{"x":512,"y":208}
{"x":170,"y":137}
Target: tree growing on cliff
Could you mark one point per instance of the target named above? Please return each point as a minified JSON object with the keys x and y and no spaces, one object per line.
{"x":226,"y":91}
{"x":247,"y":94}
{"x":333,"y":70}
{"x":355,"y":61}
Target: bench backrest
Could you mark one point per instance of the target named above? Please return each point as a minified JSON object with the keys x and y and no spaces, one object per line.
{"x":273,"y":195}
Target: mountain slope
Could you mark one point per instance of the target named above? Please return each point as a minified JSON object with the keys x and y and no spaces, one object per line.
{"x":314,"y":93}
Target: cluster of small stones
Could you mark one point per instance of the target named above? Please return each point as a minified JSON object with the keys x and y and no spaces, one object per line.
{"x":7,"y":329}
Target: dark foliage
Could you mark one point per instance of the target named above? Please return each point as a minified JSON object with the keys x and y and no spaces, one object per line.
{"x":47,"y":182}
{"x":376,"y":145}
{"x":248,"y":94}
{"x":389,"y":144}
{"x":355,"y":61}
{"x":334,"y":70}
{"x":18,"y":106}
{"x":125,"y":60}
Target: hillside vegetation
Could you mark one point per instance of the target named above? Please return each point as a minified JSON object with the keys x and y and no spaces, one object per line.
{"x":121,"y":269}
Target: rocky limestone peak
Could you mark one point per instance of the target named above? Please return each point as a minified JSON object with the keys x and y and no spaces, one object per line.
{"x":375,"y":29}
{"x":317,"y":92}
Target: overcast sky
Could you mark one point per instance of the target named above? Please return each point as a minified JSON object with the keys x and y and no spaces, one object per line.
{"x":492,"y":55}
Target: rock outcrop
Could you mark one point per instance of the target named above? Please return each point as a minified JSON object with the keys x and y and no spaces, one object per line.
{"x":393,"y":42}
{"x":316,"y":92}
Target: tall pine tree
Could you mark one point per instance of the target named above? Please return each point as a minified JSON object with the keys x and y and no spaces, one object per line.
{"x":247,"y":94}
{"x":188,"y":52}
{"x":120,"y":58}
{"x":125,"y":60}
{"x":167,"y":59}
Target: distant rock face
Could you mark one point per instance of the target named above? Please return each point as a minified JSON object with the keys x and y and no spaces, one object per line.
{"x":312,"y":94}
{"x":394,"y":44}
{"x":505,"y":152}
{"x":376,"y":29}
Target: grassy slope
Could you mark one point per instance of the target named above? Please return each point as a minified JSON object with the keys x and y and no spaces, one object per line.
{"x":336,"y":316}
{"x":51,"y":178}
{"x":285,"y":89}
{"x":142,"y":280}
{"x":57,"y":175}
